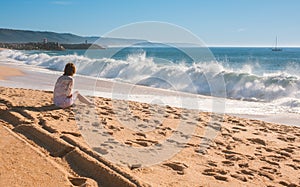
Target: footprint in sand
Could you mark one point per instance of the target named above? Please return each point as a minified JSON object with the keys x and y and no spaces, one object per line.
{"x":142,"y":142}
{"x":100,"y":150}
{"x":286,"y":139}
{"x":288,"y":149}
{"x":220,"y":143}
{"x":239,"y":177}
{"x":216,"y":173}
{"x":238,"y":129}
{"x":243,"y":165}
{"x":296,"y":160}
{"x":177,"y":166}
{"x":267,"y":175}
{"x":283,"y":154}
{"x":76,"y":181}
{"x":212,"y":163}
{"x":268,"y":149}
{"x":142,"y":126}
{"x":294,"y":166}
{"x":141,"y":134}
{"x":232,"y":157}
{"x":246,"y":172}
{"x":227,"y":163}
{"x":269,"y":161}
{"x":236,"y":139}
{"x":257,"y":141}
{"x":269,"y":170}
{"x":96,"y":124}
{"x":284,"y":183}
{"x":215,"y":126}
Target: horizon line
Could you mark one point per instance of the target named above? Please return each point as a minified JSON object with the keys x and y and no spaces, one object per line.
{"x":206,"y":45}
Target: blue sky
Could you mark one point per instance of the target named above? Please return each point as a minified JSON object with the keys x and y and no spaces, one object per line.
{"x":216,"y":22}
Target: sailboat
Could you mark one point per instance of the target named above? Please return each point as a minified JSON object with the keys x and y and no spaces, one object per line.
{"x":276,"y":48}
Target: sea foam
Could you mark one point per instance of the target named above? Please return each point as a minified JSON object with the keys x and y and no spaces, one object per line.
{"x":196,"y":78}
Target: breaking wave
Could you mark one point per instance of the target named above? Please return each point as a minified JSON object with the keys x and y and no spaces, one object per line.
{"x":195,"y":78}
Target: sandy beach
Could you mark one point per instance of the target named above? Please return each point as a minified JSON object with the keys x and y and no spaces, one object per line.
{"x":42,"y":145}
{"x":8,"y":72}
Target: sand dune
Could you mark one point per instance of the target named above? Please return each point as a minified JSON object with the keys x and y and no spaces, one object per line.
{"x":35,"y":134}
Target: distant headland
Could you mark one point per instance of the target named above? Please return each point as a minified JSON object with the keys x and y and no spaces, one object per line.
{"x":45,"y":40}
{"x":37,"y":40}
{"x":50,"y":46}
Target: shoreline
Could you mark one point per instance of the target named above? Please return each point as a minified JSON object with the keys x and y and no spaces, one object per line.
{"x":44,"y":79}
{"x":282,"y":119}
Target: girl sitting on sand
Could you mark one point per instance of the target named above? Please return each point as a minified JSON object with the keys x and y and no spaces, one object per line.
{"x":63,"y":96}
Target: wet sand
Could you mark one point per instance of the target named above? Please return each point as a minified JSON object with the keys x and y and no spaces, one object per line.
{"x":6,"y":72}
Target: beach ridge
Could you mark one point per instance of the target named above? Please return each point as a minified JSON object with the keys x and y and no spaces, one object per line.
{"x":84,"y":167}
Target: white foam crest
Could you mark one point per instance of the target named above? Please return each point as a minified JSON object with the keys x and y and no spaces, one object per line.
{"x":290,"y":104}
{"x":135,"y":68}
{"x":293,"y":69}
{"x":194,"y":78}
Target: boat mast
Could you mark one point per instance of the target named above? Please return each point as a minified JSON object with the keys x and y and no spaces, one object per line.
{"x":276,"y":48}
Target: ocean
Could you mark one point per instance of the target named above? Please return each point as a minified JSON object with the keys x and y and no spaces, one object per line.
{"x":259,"y":80}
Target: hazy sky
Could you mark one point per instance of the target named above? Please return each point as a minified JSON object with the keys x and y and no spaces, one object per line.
{"x":216,"y":22}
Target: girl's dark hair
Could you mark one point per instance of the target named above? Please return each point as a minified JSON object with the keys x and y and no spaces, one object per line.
{"x":70,"y":69}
